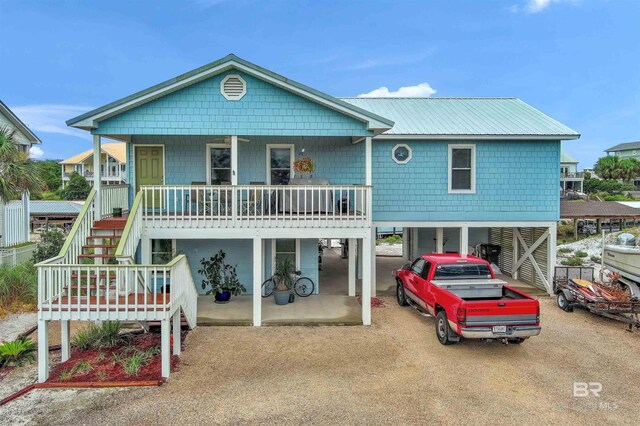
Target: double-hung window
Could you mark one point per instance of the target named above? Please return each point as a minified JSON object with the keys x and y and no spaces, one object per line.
{"x":462,"y":169}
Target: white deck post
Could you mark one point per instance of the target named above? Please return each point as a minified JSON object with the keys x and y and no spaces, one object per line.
{"x":176,"y":333}
{"x":65,"y":339}
{"x":405,"y":244}
{"x":551,"y":255}
{"x":353,"y":244}
{"x":164,"y":347}
{"x":367,"y":267}
{"x":464,"y":240}
{"x":439,"y":240}
{"x":368,"y":178}
{"x":97,"y":153}
{"x":43,"y":351}
{"x":257,"y":281}
{"x":373,"y":261}
{"x":234,"y":160}
{"x":516,"y":255}
{"x":415,"y":251}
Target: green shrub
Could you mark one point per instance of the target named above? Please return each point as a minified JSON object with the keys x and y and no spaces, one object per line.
{"x":572,"y":261}
{"x":564,"y":250}
{"x":18,"y":284}
{"x":596,"y":259}
{"x":49,"y":246}
{"x":105,"y":335}
{"x":17,"y":352}
{"x":135,"y":362}
{"x":581,"y":253}
{"x":393,"y":239}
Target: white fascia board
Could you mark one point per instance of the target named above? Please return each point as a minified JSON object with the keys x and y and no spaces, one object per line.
{"x":476,"y":137}
{"x":247,"y":233}
{"x":92,"y":122}
{"x":469,"y":224}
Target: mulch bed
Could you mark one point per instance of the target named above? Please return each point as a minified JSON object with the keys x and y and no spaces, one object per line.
{"x":105,"y":366}
{"x":375,"y":302}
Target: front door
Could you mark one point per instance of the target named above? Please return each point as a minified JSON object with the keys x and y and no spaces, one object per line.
{"x":150,"y":171}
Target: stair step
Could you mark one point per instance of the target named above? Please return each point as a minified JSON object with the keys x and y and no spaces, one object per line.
{"x":104,"y":237}
{"x":107,"y":246}
{"x":97,"y":256}
{"x":93,"y":276}
{"x":90,"y":287}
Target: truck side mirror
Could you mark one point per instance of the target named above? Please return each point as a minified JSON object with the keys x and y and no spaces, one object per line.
{"x":406,"y":266}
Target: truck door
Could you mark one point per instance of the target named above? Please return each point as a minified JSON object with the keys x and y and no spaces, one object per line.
{"x":422,"y":284}
{"x":416,"y":270}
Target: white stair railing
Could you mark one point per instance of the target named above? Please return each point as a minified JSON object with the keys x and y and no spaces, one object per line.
{"x":132,"y":233}
{"x":113,"y":196}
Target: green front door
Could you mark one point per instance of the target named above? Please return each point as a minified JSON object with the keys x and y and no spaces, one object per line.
{"x":150,"y":171}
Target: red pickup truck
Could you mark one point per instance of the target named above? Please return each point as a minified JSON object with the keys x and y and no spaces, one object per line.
{"x":462,"y":292}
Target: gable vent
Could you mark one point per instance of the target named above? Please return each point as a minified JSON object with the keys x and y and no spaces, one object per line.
{"x":233,"y":87}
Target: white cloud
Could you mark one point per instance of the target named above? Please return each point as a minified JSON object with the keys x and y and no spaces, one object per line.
{"x":36,"y":152}
{"x":422,"y":90}
{"x":536,"y":6}
{"x":50,"y":118}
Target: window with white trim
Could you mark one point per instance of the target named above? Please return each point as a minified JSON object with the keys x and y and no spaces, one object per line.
{"x":218,"y":164}
{"x":462,"y":169}
{"x":279,"y":164}
{"x":285,"y":248}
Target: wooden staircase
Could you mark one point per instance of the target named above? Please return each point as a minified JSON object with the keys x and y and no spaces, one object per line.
{"x":101,"y":244}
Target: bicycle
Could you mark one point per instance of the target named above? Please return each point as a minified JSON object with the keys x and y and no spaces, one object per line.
{"x":303,"y":286}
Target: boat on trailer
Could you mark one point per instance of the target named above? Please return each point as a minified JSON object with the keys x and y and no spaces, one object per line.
{"x":623,"y":258}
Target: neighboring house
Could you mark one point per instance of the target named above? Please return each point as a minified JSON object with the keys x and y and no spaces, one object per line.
{"x":210,"y":167}
{"x":113,"y":164}
{"x":570,"y":178}
{"x":59,"y":214}
{"x":627,"y":150}
{"x":14,"y":216}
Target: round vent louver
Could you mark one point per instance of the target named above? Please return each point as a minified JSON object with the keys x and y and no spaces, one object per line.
{"x":233,"y":87}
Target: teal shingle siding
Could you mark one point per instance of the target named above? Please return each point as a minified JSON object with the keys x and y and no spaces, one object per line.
{"x":337,"y":159}
{"x":200,"y":109}
{"x":515,"y":181}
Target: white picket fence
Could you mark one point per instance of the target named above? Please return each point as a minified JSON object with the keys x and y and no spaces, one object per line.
{"x":16,"y":256}
{"x":15,"y":223}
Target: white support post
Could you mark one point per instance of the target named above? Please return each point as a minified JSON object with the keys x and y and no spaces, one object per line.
{"x":368,"y":161}
{"x":439,"y":240}
{"x":234,"y":160}
{"x":415,"y":251}
{"x":353,"y":244}
{"x":65,"y":339}
{"x":26,"y":218}
{"x":373,"y":261}
{"x":359,"y":259}
{"x":551,"y":255}
{"x":164,"y":347}
{"x":257,"y":281}
{"x":516,"y":255}
{"x":366,"y":280}
{"x":97,"y":201}
{"x":145,"y":250}
{"x":405,"y":244}
{"x":176,"y":333}
{"x":464,"y":240}
{"x":43,"y":351}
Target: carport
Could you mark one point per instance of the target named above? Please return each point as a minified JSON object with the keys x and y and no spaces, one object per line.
{"x":527,"y":248}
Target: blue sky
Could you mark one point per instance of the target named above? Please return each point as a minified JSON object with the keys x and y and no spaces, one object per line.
{"x":576,"y":60}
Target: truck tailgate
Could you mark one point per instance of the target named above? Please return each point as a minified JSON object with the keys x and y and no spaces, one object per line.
{"x":501,"y":312}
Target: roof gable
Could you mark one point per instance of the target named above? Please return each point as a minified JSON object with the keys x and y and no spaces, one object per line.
{"x":116,"y":150}
{"x":92,"y":119}
{"x":475,"y":118}
{"x":8,"y":117}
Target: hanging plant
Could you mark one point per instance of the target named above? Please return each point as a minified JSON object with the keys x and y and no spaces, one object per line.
{"x":304,"y":165}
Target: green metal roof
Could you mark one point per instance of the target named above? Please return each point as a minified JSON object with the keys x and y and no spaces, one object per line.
{"x":624,"y":147}
{"x":566,"y":158}
{"x":450,"y":117}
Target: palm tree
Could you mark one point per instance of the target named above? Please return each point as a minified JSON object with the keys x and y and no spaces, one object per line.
{"x":17,"y":172}
{"x":608,"y":167}
{"x":629,"y":169}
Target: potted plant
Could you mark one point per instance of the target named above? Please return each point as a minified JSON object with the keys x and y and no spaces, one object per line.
{"x":220,"y":277}
{"x":284,"y":276}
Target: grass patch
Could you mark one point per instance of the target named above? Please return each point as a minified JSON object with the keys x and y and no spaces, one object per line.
{"x":572,"y":261}
{"x":18,"y":287}
{"x":105,"y":335}
{"x":581,"y":253}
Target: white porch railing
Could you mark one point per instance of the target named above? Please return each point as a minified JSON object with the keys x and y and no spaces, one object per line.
{"x":113,"y":196}
{"x":259,"y":206}
{"x":116,"y":292}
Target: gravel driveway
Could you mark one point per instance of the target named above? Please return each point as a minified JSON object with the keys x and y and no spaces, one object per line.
{"x":393,"y":372}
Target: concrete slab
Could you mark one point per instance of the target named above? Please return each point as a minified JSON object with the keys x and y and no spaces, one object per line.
{"x":312,"y":310}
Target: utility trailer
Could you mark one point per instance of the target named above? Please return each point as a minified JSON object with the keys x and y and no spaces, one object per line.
{"x":571,"y":286}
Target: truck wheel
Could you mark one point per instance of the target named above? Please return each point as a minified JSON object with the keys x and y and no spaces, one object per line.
{"x":400,"y":296}
{"x":563,"y":303}
{"x":443,"y":329}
